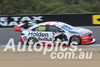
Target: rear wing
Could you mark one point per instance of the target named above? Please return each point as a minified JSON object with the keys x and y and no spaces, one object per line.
{"x":19,"y":27}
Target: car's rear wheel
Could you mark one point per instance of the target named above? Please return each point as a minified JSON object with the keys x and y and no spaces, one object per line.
{"x":76,"y":39}
{"x":33,"y":40}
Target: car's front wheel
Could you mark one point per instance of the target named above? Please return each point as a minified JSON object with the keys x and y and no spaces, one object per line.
{"x":75,"y":39}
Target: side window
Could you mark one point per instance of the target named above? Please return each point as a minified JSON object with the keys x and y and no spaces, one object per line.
{"x":65,"y":27}
{"x":40,"y":28}
{"x":35,"y":29}
{"x":54,"y":29}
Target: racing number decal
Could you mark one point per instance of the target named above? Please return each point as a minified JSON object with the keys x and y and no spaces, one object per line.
{"x":42,"y":28}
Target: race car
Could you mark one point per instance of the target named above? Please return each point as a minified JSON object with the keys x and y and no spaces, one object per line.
{"x":54,"y":31}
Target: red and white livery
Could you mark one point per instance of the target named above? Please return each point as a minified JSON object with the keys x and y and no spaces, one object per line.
{"x":54,"y":31}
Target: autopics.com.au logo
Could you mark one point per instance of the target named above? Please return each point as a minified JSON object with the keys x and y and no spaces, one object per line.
{"x":56,"y":51}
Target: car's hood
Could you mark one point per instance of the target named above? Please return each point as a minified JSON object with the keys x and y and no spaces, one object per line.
{"x":80,"y":30}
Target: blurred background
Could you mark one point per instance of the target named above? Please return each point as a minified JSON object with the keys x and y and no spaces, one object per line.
{"x":16,"y":7}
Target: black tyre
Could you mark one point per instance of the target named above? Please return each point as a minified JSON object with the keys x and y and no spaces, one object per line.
{"x":76,"y":39}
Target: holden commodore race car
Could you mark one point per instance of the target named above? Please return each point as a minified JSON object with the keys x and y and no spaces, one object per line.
{"x":54,"y":31}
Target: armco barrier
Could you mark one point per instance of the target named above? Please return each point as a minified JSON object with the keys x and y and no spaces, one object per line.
{"x":72,"y":19}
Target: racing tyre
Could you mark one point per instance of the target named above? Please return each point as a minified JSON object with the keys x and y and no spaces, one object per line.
{"x":33,"y":39}
{"x":77,"y":39}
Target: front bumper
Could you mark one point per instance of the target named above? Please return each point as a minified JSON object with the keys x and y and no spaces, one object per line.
{"x":87,"y":39}
{"x":89,"y":42}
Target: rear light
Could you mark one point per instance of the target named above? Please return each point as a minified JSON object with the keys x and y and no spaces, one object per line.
{"x":22,"y":34}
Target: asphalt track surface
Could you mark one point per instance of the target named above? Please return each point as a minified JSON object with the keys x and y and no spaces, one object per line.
{"x":7,"y":33}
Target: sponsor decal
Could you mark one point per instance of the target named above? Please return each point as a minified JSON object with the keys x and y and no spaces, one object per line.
{"x":40,"y":34}
{"x":11,"y":21}
{"x":44,"y":39}
{"x":96,"y":19}
{"x":25,"y":38}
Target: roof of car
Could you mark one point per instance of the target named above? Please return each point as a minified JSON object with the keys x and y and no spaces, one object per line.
{"x":54,"y":23}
